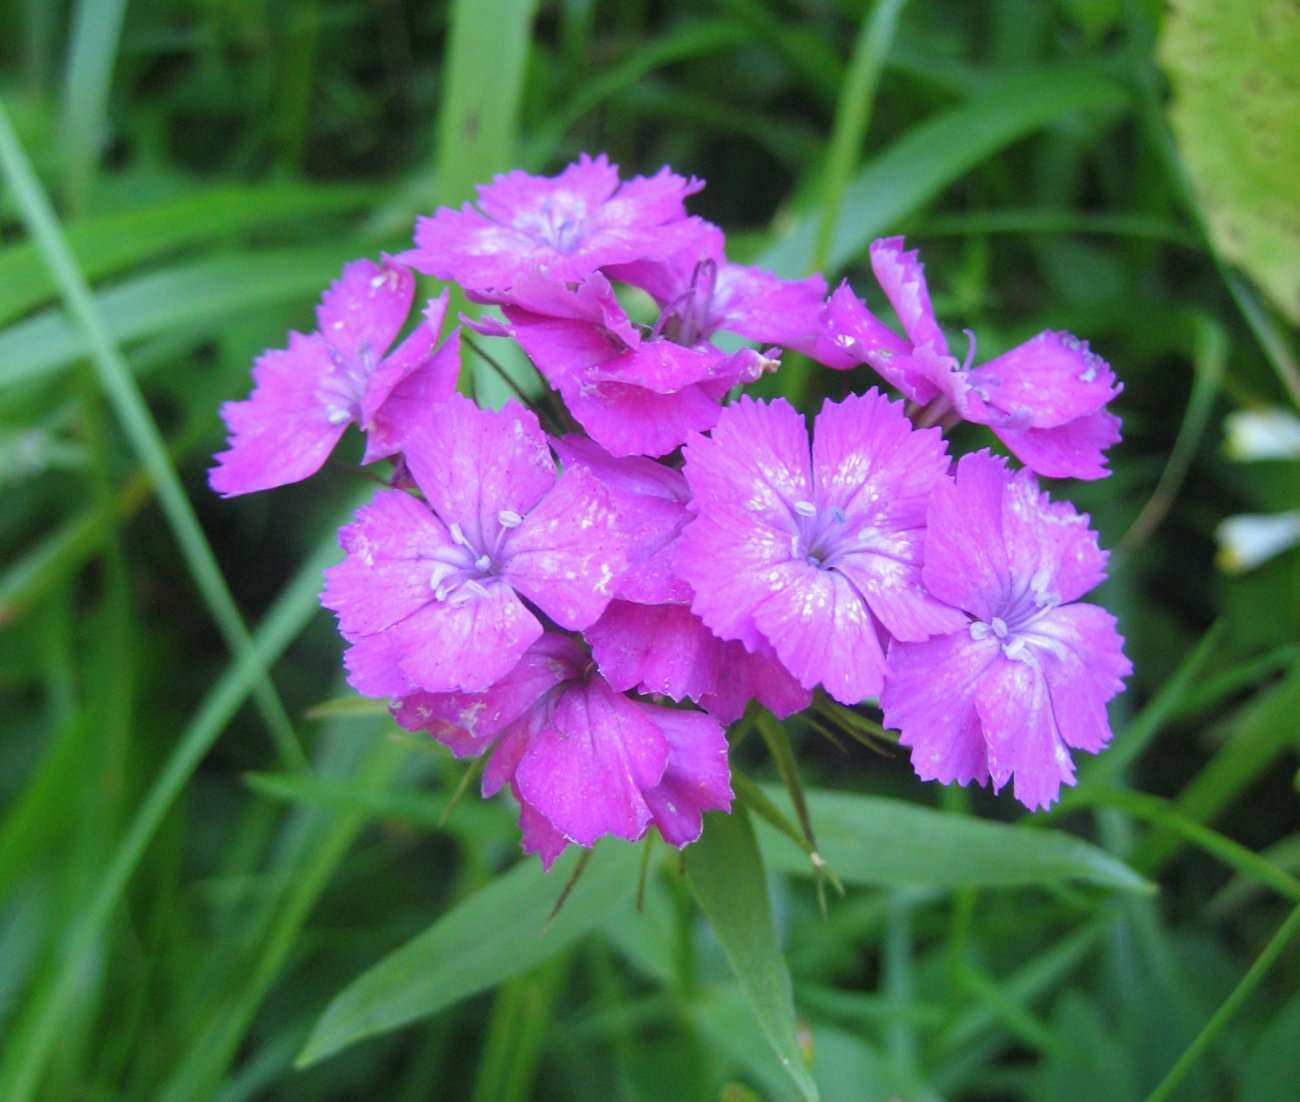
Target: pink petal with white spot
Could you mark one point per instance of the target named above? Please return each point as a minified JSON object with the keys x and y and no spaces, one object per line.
{"x":1082,"y":658}
{"x":1048,"y":381}
{"x":568,"y":554}
{"x":450,"y":647}
{"x":361,"y":312}
{"x":650,"y":500}
{"x":821,"y":631}
{"x":397,"y":551}
{"x":658,"y":649}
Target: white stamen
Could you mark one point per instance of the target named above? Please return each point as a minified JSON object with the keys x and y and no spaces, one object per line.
{"x":508,"y":518}
{"x":805,"y":508}
{"x":979,"y":630}
{"x":458,"y":535}
{"x":483,"y":563}
{"x":999,"y":627}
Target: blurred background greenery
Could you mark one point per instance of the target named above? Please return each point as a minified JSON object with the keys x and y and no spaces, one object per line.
{"x":187,"y":880}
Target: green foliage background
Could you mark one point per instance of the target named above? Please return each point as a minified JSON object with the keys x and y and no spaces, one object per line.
{"x":209,"y":890}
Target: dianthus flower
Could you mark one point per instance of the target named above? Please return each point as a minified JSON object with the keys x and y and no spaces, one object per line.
{"x":305,"y":396}
{"x":699,"y":293}
{"x":429,"y":593}
{"x":582,"y":759}
{"x":1028,"y":673}
{"x":567,"y":225}
{"x":813,"y":552}
{"x":1044,"y":399}
{"x":634,"y":395}
{"x":648,"y":639}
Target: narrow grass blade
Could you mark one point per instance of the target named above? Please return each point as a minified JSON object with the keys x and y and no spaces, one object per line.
{"x":29,"y":1045}
{"x":1163,"y":813}
{"x":1244,"y":989}
{"x":936,"y":152}
{"x":96,"y":27}
{"x":120,"y":386}
{"x":110,"y":243}
{"x":853,"y":116}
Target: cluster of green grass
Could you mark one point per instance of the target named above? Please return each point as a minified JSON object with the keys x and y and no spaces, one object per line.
{"x":221,"y":878}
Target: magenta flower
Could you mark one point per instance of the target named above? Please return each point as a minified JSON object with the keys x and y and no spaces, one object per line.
{"x":701,"y":293}
{"x":1028,"y":675}
{"x":582,"y":759}
{"x":1045,"y":399}
{"x":567,"y":225}
{"x":429,"y":593}
{"x":813,"y":552}
{"x":633,"y":395}
{"x":305,"y":396}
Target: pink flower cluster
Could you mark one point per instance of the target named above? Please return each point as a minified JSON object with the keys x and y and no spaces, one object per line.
{"x":589,"y":609}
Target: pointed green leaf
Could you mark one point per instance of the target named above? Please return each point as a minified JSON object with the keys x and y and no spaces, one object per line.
{"x":496,"y":933}
{"x":726,"y":874}
{"x":874,"y":840}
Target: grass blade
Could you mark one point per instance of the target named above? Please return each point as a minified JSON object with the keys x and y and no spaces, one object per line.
{"x":124,"y":395}
{"x":936,"y":152}
{"x":1228,"y":1008}
{"x":852,"y":117}
{"x":30,"y":1044}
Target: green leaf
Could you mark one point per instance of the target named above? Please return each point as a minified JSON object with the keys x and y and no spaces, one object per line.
{"x":1236,"y":100}
{"x":199,"y":293}
{"x":936,"y":152}
{"x":726,"y":874}
{"x":496,"y":933}
{"x":109,"y":243}
{"x":875,"y":840}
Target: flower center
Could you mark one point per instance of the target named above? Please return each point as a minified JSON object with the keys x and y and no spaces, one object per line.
{"x":686,"y":320}
{"x":342,"y":388}
{"x":560,"y":221}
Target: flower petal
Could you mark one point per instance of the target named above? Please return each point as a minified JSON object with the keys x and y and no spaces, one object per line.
{"x":362,"y":311}
{"x":284,"y":431}
{"x":1073,"y":450}
{"x":966,"y":563}
{"x":929,"y":696}
{"x":822,"y":631}
{"x":568,"y":554}
{"x":1048,"y":381}
{"x":394,"y":546}
{"x":901,"y":276}
{"x":1051,"y":551}
{"x":696,"y":778}
{"x":474,"y":464}
{"x":650,"y":499}
{"x":586,"y":769}
{"x":1020,"y":733}
{"x":445,"y":647}
{"x":1082,"y":657}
